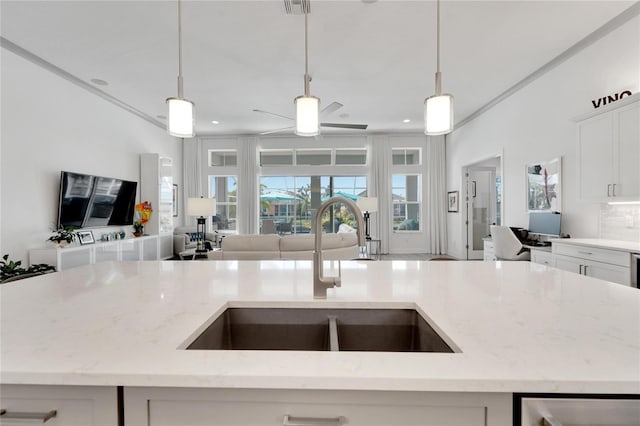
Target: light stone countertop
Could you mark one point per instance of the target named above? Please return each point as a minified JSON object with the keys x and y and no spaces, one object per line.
{"x":630,"y":246}
{"x":521,"y":327}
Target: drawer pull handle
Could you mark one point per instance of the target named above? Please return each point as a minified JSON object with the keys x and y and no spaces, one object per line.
{"x":24,"y":417}
{"x":588,"y":253}
{"x":549,"y":421}
{"x":313,"y":421}
{"x":580,"y":270}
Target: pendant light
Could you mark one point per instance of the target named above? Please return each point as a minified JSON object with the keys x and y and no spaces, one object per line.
{"x":438,"y":109}
{"x":180,"y":121}
{"x":307,"y":106}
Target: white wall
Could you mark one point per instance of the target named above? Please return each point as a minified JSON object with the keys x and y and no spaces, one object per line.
{"x":535,"y":124}
{"x":49,"y":125}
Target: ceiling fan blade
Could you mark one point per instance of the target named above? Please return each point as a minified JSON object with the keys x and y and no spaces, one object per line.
{"x":277,"y":130}
{"x":333,"y":106}
{"x":345,"y":126}
{"x":272,"y":113}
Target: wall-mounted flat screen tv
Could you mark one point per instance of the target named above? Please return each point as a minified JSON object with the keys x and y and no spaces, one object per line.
{"x":88,"y":201}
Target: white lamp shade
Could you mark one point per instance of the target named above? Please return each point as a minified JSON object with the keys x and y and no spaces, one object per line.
{"x":438,"y":115}
{"x":368,"y":204}
{"x":201,"y":206}
{"x":307,"y":115}
{"x":180,"y":121}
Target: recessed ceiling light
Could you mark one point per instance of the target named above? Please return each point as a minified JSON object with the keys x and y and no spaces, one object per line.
{"x":406,"y":120}
{"x":99,"y":82}
{"x":215,"y":122}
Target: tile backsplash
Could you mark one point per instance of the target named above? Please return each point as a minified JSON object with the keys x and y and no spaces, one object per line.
{"x":620,"y":222}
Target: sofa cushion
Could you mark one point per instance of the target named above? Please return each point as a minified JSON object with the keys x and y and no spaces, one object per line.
{"x":307,"y":242}
{"x":259,"y":243}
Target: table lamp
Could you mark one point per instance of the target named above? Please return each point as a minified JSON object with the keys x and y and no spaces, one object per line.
{"x":201,"y":207}
{"x":367,"y":205}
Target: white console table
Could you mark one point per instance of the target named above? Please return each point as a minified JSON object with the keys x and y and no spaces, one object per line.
{"x":141,"y":248}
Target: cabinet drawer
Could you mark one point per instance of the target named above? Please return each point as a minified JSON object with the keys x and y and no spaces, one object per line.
{"x":614,"y":257}
{"x":580,"y":411}
{"x":74,"y":405}
{"x":212,"y":407}
{"x":541,"y":257}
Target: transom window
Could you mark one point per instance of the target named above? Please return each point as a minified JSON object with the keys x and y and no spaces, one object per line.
{"x":405,"y":156}
{"x":314,"y":157}
{"x":222,"y":158}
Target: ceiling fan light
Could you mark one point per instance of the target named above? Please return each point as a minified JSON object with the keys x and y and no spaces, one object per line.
{"x":307,"y":115}
{"x":180,"y":122}
{"x":438,"y":115}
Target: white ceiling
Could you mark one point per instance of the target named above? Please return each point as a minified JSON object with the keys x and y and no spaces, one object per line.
{"x":378,"y":59}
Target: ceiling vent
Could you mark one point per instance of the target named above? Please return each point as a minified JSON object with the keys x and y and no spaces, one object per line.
{"x":297,"y":7}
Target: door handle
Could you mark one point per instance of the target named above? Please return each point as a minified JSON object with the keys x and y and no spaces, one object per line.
{"x":585,"y":269}
{"x":24,"y":417}
{"x":614,"y":189}
{"x":473,"y":188}
{"x":580,"y":270}
{"x":313,"y":421}
{"x":608,"y":190}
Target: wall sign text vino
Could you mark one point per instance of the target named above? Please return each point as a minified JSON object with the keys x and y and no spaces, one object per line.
{"x":609,"y":99}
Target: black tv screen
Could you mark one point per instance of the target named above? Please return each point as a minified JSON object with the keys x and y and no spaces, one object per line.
{"x":93,"y":201}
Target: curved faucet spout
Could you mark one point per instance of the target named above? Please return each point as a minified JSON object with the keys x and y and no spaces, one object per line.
{"x":320,"y":282}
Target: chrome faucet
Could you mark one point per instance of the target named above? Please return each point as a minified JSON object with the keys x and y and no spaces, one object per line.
{"x":321,"y":283}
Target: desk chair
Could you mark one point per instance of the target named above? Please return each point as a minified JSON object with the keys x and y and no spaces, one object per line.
{"x":506,"y":245}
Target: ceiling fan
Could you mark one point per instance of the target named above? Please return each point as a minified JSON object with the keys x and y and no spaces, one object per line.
{"x":332,"y":107}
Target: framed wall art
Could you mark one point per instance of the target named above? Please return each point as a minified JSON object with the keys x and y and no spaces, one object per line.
{"x":453,"y":198}
{"x":544,"y":184}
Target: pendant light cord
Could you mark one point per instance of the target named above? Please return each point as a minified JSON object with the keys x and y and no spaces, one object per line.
{"x":307,"y":77}
{"x":180,"y":94}
{"x":438,"y":78}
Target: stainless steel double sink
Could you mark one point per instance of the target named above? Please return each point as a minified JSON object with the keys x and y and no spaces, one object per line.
{"x":320,"y":329}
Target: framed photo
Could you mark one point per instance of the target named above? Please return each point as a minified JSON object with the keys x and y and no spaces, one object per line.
{"x":453,"y":201}
{"x":175,"y":200}
{"x":544,"y":183}
{"x":85,"y":237}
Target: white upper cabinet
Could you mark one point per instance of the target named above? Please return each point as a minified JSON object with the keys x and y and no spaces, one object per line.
{"x":609,"y":153}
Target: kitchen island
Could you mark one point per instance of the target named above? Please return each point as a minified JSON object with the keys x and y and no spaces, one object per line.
{"x":514,"y":327}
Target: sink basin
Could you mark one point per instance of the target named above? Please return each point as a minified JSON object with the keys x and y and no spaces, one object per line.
{"x":320,"y":329}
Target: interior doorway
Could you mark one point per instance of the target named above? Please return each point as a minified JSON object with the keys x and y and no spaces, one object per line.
{"x":483,"y":202}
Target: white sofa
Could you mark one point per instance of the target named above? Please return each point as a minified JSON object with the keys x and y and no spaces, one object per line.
{"x":341,"y":246}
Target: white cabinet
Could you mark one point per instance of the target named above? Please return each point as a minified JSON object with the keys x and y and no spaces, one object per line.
{"x":212,"y":407}
{"x":156,"y":186}
{"x":489,"y":253}
{"x":541,"y":256}
{"x":609,"y":265}
{"x":67,"y":405}
{"x":609,"y":152}
{"x":579,"y":411}
{"x":141,"y":248}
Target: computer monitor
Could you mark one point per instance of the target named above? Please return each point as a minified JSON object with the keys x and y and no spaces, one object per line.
{"x":544,"y":223}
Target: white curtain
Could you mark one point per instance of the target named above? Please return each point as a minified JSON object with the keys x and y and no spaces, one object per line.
{"x":436,"y":195}
{"x":191,"y":174}
{"x":248,"y":187}
{"x":380,"y":187}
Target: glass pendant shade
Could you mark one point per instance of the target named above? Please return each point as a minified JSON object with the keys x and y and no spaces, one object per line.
{"x":307,"y":115}
{"x":180,"y":121}
{"x":438,"y":115}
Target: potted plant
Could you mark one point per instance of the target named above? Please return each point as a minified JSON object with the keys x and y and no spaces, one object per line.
{"x":63,"y":235}
{"x":138,"y":228}
{"x":11,"y":271}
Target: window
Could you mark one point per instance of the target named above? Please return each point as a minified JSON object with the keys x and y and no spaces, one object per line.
{"x":223,"y":158}
{"x":291,"y":201}
{"x":224,"y":190}
{"x":405,"y":192}
{"x":276,"y":158}
{"x":351,"y":157}
{"x":405,"y":156}
{"x":313,"y":157}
